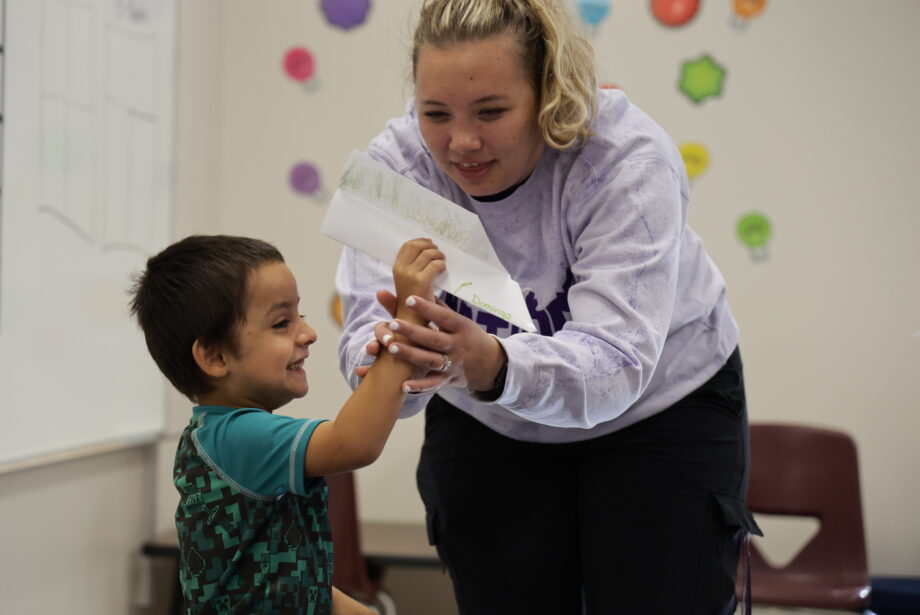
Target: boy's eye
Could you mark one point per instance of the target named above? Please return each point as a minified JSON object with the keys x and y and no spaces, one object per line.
{"x":281,"y":324}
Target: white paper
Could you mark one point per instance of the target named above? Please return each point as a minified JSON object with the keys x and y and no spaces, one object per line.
{"x":376,"y":210}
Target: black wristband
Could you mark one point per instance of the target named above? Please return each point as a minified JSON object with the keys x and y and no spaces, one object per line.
{"x":497,"y":388}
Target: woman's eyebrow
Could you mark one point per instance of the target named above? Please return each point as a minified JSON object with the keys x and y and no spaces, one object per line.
{"x":487,"y":99}
{"x":478,"y":101}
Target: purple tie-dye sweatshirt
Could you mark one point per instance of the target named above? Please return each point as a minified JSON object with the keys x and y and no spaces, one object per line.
{"x":631,"y":311}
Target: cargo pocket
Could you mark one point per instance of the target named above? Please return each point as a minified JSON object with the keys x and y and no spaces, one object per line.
{"x":736,"y":515}
{"x":428,"y":490}
{"x":431,"y":523}
{"x":739,"y":525}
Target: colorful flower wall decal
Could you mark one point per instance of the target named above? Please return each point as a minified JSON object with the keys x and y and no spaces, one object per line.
{"x":696,"y":158}
{"x":674,"y":13}
{"x":304,"y":179}
{"x":335,"y":309}
{"x":300,"y":66}
{"x":701,"y":78}
{"x":346,"y":14}
{"x":754,"y":230}
{"x":745,"y":10}
{"x":593,"y":12}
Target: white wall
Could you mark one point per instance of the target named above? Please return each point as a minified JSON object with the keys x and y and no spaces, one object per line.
{"x":72,"y":531}
{"x":269,"y":123}
{"x":72,"y":534}
{"x":197,"y":189}
{"x":816,"y":128}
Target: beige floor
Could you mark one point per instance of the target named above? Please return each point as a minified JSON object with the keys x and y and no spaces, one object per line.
{"x":418,"y":591}
{"x":773,"y":611}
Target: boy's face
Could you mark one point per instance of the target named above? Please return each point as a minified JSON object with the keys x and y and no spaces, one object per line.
{"x":267,"y":370}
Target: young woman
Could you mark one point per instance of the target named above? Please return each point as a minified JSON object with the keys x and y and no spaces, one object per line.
{"x":599,"y":464}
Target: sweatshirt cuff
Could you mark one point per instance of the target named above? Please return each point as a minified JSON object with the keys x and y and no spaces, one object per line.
{"x":520,"y":373}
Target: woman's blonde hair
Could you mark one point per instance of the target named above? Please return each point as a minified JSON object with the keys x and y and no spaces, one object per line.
{"x":558,"y":61}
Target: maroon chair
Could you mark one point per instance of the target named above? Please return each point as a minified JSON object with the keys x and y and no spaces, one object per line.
{"x":808,"y":471}
{"x":351,"y":572}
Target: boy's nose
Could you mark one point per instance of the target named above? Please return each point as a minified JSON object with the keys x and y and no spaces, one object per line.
{"x":307,"y":335}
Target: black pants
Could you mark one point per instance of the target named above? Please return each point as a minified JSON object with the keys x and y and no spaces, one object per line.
{"x":647,"y":519}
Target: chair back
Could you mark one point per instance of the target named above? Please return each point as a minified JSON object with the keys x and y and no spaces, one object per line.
{"x":350,"y":573}
{"x":808,"y":471}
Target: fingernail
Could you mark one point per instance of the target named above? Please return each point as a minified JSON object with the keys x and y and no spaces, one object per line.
{"x":386,"y":339}
{"x":410,"y":301}
{"x":407,"y":388}
{"x":394,"y":326}
{"x":393,"y":348}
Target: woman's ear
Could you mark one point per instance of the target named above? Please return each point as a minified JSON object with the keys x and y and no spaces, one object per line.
{"x":210,"y":358}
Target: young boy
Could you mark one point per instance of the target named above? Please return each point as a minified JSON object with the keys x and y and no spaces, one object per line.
{"x":220,"y":318}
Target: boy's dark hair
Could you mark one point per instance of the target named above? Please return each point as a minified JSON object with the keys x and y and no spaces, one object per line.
{"x":195,"y":289}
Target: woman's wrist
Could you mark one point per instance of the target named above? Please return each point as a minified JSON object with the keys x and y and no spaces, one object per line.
{"x":492,"y":389}
{"x":498,"y":386}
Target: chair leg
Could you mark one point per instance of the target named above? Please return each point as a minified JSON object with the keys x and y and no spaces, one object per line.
{"x":176,"y":607}
{"x":385,"y":602}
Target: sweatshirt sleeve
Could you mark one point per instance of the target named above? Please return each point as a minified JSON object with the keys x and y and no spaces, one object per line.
{"x":625,"y":262}
{"x":359,"y":276}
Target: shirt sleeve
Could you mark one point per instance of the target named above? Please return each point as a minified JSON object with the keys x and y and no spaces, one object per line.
{"x":259,"y":453}
{"x":625,"y":267}
{"x":359,"y":276}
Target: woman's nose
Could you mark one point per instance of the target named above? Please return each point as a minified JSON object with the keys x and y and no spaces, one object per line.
{"x":465,"y":139}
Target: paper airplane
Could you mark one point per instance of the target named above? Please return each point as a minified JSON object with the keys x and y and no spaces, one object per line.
{"x":376,"y":210}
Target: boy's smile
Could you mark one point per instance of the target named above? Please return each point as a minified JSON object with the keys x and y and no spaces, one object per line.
{"x":272,"y":343}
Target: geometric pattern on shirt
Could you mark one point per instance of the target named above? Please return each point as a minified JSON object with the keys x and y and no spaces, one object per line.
{"x":241,"y":554}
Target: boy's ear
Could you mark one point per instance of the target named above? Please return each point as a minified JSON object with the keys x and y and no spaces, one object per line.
{"x":210,"y":359}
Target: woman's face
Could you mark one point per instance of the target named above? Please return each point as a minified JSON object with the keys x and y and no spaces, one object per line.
{"x":478,"y":113}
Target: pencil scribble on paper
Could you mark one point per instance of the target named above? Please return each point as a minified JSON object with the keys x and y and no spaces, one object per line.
{"x":398,"y":196}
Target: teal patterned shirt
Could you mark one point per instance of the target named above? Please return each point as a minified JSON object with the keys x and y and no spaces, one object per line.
{"x":253,"y":530}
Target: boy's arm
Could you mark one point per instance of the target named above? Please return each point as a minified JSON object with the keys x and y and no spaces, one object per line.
{"x":357,"y":436}
{"x":343,"y":604}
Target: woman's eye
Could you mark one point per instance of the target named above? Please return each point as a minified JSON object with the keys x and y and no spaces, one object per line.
{"x":281,"y":324}
{"x":491,"y":114}
{"x":436,"y":116}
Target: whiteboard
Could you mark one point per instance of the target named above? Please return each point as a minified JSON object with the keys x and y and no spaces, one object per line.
{"x":86,"y":192}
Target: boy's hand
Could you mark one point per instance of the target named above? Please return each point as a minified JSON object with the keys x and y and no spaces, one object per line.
{"x":417,"y":264}
{"x":343,"y":604}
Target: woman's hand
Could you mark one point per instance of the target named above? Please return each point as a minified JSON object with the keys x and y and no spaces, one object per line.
{"x":456,"y":351}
